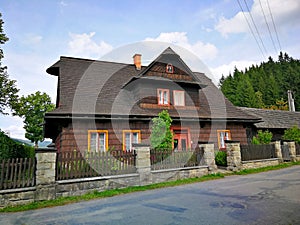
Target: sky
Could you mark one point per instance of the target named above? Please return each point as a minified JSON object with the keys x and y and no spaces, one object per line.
{"x":222,"y":34}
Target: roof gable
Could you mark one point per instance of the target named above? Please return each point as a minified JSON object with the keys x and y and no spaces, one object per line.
{"x":157,"y":69}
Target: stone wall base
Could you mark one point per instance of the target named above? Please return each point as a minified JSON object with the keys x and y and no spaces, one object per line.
{"x":20,"y":196}
{"x":260,"y":163}
{"x":159,"y":176}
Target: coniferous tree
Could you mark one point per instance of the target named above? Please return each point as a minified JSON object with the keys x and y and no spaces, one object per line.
{"x":270,"y":82}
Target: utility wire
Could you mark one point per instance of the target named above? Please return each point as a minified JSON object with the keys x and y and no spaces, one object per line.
{"x":249,"y":25}
{"x":271,"y":36}
{"x":262,"y":43}
{"x":274,"y":26}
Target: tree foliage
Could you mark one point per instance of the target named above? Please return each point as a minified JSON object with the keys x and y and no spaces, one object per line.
{"x":262,"y":137}
{"x":266,"y":85}
{"x":8,"y":89}
{"x":161,"y":136}
{"x":292,"y":134}
{"x":32,"y":109}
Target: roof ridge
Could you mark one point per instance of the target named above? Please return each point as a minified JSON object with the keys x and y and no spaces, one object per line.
{"x":95,"y":60}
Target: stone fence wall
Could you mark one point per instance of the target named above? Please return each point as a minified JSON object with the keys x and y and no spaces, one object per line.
{"x":235,"y":163}
{"x":47,"y":187}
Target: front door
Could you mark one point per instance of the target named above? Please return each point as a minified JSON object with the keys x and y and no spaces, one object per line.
{"x":180,"y":140}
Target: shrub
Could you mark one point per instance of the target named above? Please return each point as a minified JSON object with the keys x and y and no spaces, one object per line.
{"x":292,"y":134}
{"x":221,"y":158}
{"x":262,"y":137}
{"x":161,"y":136}
{"x":11,"y":149}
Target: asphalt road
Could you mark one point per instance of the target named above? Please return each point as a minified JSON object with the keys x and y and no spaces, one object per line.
{"x":266,"y":198}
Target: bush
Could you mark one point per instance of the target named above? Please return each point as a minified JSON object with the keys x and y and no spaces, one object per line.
{"x":221,"y":158}
{"x":161,"y":136}
{"x":262,"y":137}
{"x":11,"y":149}
{"x":292,"y":134}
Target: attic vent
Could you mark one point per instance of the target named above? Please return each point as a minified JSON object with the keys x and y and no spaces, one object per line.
{"x":169,"y":68}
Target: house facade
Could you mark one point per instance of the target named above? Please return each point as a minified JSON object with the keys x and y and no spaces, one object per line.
{"x":107,"y":105}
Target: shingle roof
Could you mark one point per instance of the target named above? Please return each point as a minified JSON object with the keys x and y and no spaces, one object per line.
{"x":90,"y":87}
{"x":274,"y":118}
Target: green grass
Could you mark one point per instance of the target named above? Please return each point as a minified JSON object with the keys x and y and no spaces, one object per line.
{"x":267,"y":168}
{"x":115,"y":192}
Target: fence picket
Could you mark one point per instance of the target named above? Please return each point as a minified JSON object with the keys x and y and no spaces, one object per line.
{"x":256,"y":152}
{"x":17,"y":173}
{"x":91,"y":164}
{"x":2,"y":175}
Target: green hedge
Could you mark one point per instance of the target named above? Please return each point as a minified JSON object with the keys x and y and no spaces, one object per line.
{"x":11,"y":149}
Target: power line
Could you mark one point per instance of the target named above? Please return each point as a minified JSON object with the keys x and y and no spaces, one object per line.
{"x":274,"y":25}
{"x":271,"y":36}
{"x":262,"y":43}
{"x":249,"y":25}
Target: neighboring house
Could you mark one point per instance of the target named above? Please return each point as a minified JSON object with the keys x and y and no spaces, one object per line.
{"x":102,"y":105}
{"x":275,"y":121}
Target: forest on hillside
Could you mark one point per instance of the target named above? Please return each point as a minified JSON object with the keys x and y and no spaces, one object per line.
{"x":264,"y":85}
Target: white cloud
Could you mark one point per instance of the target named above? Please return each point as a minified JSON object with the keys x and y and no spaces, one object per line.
{"x":63,"y":4}
{"x":13,"y":126}
{"x":205,"y":51}
{"x":82,"y":45}
{"x":285,"y":14}
{"x":237,"y":24}
{"x":30,"y":72}
{"x":225,"y":69}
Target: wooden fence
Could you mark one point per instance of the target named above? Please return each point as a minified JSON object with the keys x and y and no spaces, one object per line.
{"x":167,"y":159}
{"x":297,"y":148}
{"x":75,"y":164}
{"x":17,"y":173}
{"x":256,"y":152}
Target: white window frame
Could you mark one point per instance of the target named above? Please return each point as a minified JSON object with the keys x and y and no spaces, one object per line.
{"x":163,"y":96}
{"x":175,"y":96}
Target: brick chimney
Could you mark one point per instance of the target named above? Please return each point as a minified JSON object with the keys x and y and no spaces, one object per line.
{"x":137,"y":60}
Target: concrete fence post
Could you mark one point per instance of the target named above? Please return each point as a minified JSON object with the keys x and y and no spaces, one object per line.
{"x":234,"y":159}
{"x":278,"y":152}
{"x":209,"y":155}
{"x":45,"y":174}
{"x":143,"y":163}
{"x":292,"y":150}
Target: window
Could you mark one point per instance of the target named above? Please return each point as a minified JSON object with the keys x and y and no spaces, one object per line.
{"x":130,"y":137}
{"x":178,"y":98}
{"x":98,"y":140}
{"x":163,"y":96}
{"x":222,"y":136}
{"x":169,"y":68}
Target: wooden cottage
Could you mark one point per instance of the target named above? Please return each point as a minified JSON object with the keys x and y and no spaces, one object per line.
{"x":107,"y":105}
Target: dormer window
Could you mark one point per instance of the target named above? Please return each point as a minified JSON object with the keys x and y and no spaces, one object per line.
{"x":163,"y":96}
{"x":169,"y":68}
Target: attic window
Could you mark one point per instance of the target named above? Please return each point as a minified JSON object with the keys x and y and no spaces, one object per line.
{"x":169,"y":68}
